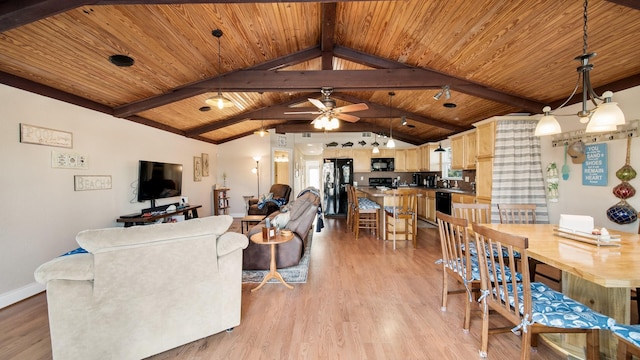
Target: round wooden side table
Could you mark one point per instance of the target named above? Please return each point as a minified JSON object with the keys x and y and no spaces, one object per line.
{"x":273,"y":271}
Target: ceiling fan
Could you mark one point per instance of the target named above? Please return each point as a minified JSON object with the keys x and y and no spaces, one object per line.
{"x":328,"y":113}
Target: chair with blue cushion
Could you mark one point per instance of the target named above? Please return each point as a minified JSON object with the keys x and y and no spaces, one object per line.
{"x":400,"y":215}
{"x":526,"y":214}
{"x":628,"y":340}
{"x":456,"y":263}
{"x":364,"y":214}
{"x":532,"y":307}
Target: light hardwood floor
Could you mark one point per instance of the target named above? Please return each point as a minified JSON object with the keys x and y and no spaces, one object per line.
{"x":362,"y":300}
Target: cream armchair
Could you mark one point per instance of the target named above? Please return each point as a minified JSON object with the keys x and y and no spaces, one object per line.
{"x":142,"y":290}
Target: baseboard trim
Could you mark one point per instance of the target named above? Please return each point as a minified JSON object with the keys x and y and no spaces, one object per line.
{"x":14,"y":296}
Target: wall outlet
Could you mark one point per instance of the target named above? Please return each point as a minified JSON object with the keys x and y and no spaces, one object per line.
{"x":466,"y":179}
{"x":184,"y":200}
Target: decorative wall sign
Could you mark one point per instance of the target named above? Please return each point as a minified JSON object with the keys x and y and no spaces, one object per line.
{"x":30,"y":134}
{"x":282,"y":140}
{"x":594,"y":168}
{"x":62,"y":160}
{"x":91,"y":182}
{"x":205,"y":164}
{"x":197,"y":168}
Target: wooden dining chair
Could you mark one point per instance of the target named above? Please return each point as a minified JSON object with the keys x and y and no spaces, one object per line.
{"x":456,"y":263}
{"x":474,"y":213}
{"x":628,"y":341}
{"x":365,"y":215}
{"x":401,"y":217}
{"x":533,"y":308}
{"x":526,"y":214}
{"x":351,"y":193}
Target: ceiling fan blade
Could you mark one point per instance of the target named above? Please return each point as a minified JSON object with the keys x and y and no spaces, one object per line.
{"x":347,"y":117}
{"x":352,"y":107}
{"x":318,"y":104}
{"x":302,"y":112}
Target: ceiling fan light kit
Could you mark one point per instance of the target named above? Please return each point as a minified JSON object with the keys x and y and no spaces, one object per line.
{"x":219,"y":100}
{"x":606,"y":116}
{"x":328,"y":114}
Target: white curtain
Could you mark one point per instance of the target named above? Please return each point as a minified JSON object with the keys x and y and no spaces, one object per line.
{"x":517,"y":168}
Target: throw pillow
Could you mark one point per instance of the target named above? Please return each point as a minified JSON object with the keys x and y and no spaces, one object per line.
{"x":281,"y":220}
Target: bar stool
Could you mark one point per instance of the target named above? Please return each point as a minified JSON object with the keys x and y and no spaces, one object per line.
{"x":365,"y":215}
{"x":402,"y":211}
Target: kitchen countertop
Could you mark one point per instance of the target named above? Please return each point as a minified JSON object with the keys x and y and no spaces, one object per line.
{"x":372,"y":190}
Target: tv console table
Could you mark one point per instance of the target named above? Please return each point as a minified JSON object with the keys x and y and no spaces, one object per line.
{"x":142,"y":219}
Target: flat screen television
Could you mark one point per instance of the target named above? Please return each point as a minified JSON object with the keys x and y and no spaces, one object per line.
{"x":158,"y":180}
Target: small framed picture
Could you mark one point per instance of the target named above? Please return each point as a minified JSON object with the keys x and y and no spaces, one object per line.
{"x":205,"y":164}
{"x":197,"y":168}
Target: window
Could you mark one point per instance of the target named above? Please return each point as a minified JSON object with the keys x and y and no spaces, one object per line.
{"x":447,"y":172}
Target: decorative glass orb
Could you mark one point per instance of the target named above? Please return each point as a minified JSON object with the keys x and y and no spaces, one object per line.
{"x":622,"y":213}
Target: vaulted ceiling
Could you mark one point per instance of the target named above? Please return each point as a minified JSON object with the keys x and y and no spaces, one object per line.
{"x":498,"y":57}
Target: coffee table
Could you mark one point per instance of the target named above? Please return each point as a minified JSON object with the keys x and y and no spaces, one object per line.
{"x":273,"y":271}
{"x":250,"y":220}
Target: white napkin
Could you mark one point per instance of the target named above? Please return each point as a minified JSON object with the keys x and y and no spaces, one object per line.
{"x":580,"y":223}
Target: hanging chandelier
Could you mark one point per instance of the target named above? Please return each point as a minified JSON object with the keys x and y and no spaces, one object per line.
{"x":219,"y":100}
{"x":391,"y":144}
{"x":606,"y":116}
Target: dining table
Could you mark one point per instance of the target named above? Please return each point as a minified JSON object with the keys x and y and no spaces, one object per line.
{"x":599,"y":274}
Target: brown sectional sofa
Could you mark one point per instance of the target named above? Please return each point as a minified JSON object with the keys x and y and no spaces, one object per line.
{"x":302,"y":212}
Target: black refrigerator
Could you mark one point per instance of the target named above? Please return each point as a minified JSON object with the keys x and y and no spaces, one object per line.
{"x":336,"y":174}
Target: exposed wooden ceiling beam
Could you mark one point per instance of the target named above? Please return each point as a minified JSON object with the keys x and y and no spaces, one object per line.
{"x":193,"y":89}
{"x":328,"y":23}
{"x":294,"y":127}
{"x":634,"y":4}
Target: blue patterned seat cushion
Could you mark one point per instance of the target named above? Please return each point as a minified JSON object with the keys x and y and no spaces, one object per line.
{"x":631,"y":333}
{"x":475,"y":270}
{"x":367,"y":204}
{"x":474,"y":251}
{"x":552,"y":308}
{"x":390,"y":209}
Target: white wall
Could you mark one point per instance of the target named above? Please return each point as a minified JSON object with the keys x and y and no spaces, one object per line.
{"x":41,"y":212}
{"x":594,"y":201}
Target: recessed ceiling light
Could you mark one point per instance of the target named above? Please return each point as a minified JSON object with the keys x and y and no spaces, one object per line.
{"x":205,"y":108}
{"x":449,"y":105}
{"x":121,"y":60}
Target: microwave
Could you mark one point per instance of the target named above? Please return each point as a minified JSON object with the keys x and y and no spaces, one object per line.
{"x":382,"y":164}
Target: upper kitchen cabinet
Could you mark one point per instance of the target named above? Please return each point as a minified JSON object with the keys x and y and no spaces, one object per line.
{"x":400,"y":160}
{"x":384,"y":153}
{"x":412,"y":158}
{"x":463,"y":150}
{"x":486,"y":138}
{"x":361,"y":160}
{"x":337,"y":153}
{"x":435,"y":158}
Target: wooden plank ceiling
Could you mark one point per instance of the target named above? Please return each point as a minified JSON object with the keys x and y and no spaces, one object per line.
{"x":498,"y":57}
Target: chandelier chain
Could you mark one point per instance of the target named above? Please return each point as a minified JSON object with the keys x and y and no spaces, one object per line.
{"x":584,"y":28}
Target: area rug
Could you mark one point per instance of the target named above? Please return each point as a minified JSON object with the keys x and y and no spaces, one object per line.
{"x":293,"y":274}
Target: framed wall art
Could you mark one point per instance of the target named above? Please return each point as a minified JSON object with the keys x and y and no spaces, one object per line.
{"x":30,"y":134}
{"x":197,"y":168}
{"x":91,"y":182}
{"x":205,"y":164}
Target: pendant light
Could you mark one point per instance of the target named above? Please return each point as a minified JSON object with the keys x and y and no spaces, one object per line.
{"x":606,"y":116}
{"x":391,"y":144}
{"x":439,"y":149}
{"x":219,"y":100}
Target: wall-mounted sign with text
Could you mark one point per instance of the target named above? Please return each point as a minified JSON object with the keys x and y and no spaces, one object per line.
{"x":594,"y":168}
